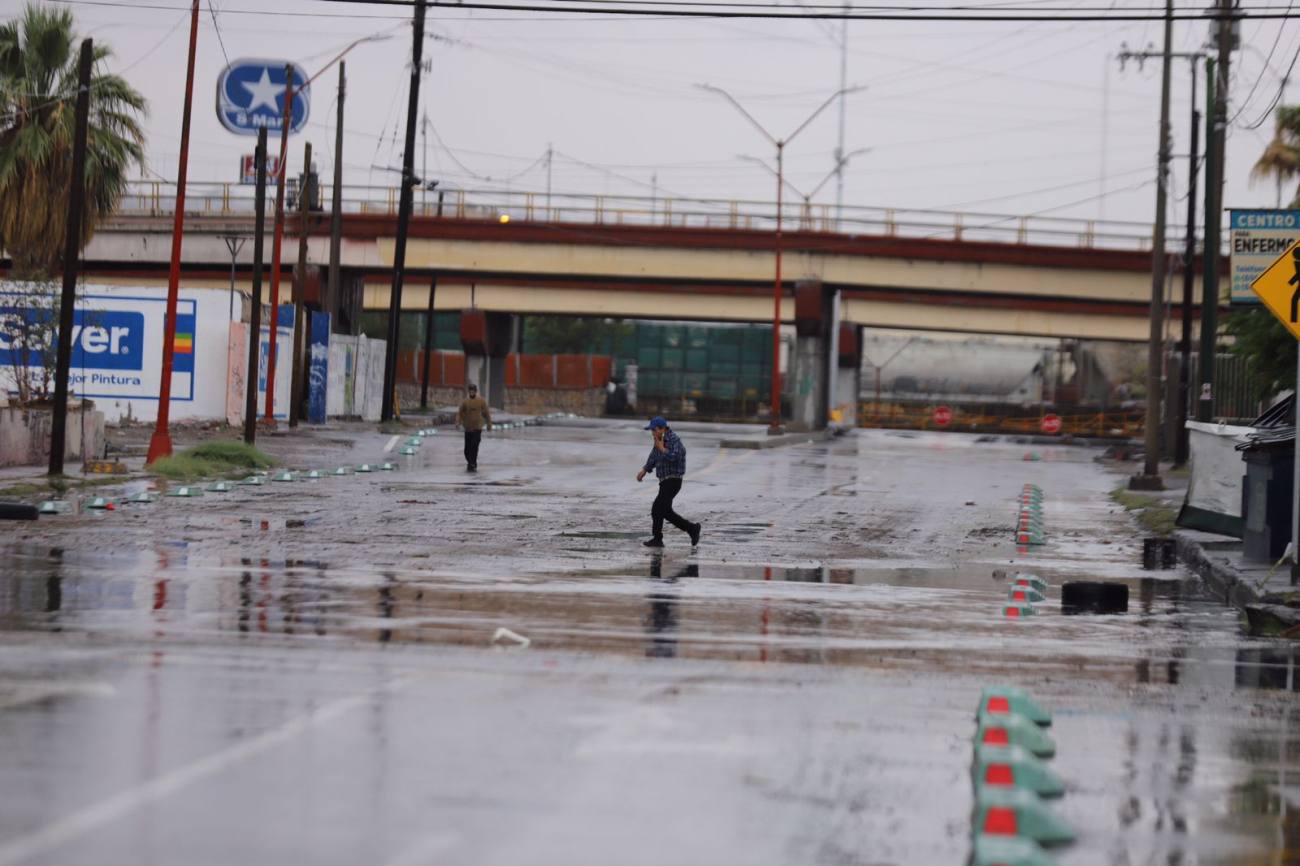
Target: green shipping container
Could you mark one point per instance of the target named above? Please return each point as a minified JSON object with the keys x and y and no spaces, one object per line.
{"x":650,"y":358}
{"x":724,"y":388}
{"x":697,"y":360}
{"x":695,"y":384}
{"x":673,"y":359}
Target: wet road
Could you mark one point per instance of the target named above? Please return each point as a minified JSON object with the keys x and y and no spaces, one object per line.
{"x":306,"y":671}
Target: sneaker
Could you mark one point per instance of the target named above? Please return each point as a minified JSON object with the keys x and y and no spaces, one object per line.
{"x":654,"y":542}
{"x":695,"y":535}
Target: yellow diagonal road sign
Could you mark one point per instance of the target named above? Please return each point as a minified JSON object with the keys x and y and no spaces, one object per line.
{"x":1279,"y":288}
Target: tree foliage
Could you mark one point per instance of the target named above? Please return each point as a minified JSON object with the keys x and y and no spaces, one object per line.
{"x":570,"y":335}
{"x":38,"y":89}
{"x":1267,"y":346}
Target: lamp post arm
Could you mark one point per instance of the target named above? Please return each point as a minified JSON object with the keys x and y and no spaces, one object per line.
{"x":777,"y":175}
{"x":727,"y":96}
{"x":825,"y":105}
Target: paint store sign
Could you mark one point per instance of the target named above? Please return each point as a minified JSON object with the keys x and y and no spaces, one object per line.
{"x":112,"y":340}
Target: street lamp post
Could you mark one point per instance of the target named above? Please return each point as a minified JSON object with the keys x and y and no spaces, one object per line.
{"x":774,"y":425}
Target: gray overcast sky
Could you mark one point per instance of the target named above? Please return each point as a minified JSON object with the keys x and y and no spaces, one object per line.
{"x":1018,"y":117}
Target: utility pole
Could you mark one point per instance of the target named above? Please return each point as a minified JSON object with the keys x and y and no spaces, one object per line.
{"x":336,"y":206}
{"x":840,"y":159}
{"x":550,"y":158}
{"x":1216,"y":151}
{"x":71,"y":249}
{"x":275,"y":246}
{"x":1189,"y":254}
{"x":403,"y":217}
{"x":424,"y":163}
{"x":1181,"y":445}
{"x":255,"y":313}
{"x":1150,"y":477}
{"x":299,"y":285}
{"x":428,"y":341}
{"x":160,"y":444}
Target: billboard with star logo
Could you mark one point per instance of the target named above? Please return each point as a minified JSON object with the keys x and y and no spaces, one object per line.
{"x":250,"y":95}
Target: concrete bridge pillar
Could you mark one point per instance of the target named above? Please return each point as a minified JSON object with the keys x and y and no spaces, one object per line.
{"x":487,"y":339}
{"x":848,"y":375}
{"x":814,"y":312}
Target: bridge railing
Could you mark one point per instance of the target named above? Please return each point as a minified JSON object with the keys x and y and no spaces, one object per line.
{"x":157,"y":198}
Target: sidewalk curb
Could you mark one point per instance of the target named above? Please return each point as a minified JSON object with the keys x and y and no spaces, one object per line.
{"x":1223,"y":579}
{"x":765,"y":442}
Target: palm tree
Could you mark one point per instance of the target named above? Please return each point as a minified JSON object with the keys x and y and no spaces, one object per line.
{"x":38,"y":86}
{"x":1281,"y":158}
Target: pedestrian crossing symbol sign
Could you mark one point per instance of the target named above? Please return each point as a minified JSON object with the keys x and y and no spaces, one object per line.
{"x":1279,"y":288}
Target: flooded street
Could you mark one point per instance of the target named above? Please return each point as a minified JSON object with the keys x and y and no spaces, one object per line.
{"x":427,"y":666}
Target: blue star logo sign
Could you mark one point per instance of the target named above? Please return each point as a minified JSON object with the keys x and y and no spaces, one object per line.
{"x":250,"y":95}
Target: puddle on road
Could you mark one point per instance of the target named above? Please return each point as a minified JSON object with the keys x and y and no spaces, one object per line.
{"x":878,"y":614}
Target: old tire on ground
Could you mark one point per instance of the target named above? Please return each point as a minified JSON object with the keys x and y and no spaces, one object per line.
{"x":17,"y":511}
{"x":1088,"y":596}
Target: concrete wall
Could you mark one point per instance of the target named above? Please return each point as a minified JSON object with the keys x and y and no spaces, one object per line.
{"x":356,"y":378}
{"x":25,"y":436}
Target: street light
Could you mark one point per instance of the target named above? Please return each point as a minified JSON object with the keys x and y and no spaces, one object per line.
{"x":808,"y":197}
{"x":775,"y":425}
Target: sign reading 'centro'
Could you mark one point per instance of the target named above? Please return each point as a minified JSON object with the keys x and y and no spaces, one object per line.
{"x":1258,"y":238}
{"x":250,"y":95}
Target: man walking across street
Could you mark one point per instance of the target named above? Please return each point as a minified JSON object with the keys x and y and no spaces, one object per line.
{"x":473,"y":416}
{"x":668,"y":460}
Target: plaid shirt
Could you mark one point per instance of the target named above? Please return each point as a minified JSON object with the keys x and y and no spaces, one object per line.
{"x":670,"y":463}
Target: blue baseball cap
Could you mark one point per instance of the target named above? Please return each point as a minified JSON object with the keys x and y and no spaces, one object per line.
{"x":656,"y":422}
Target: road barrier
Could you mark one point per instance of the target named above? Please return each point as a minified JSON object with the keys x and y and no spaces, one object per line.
{"x":1010,"y":823}
{"x":1092,"y":425}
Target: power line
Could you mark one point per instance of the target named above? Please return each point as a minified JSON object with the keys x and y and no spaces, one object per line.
{"x":1245,"y":102}
{"x":216,"y":26}
{"x":1278,"y":96}
{"x":990,"y":14}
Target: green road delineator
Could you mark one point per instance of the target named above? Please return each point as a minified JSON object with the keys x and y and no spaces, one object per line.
{"x":220,"y":487}
{"x":1014,"y":767}
{"x":365,"y":467}
{"x":144,"y":497}
{"x":55,"y":506}
{"x":1002,"y":700}
{"x":1001,"y":811}
{"x":1030,"y":538}
{"x":1032,"y":581}
{"x":1013,"y":730}
{"x":342,"y":470}
{"x":285,"y":476}
{"x":316,"y":475}
{"x":185,"y":491}
{"x":253,"y":481}
{"x":1025,"y":594}
{"x":388,"y":467}
{"x":100,"y":503}
{"x":1007,"y":851}
{"x":414,"y":442}
{"x":1018,"y":609}
{"x":408,"y":451}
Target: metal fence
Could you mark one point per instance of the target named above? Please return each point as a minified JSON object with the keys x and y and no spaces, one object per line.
{"x":157,"y":198}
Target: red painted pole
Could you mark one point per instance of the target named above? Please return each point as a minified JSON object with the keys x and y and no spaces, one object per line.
{"x":775,"y":423}
{"x":160,"y":445}
{"x":275,"y":246}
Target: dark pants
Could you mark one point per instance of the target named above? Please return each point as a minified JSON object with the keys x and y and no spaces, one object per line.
{"x":663,"y":508}
{"x":472,"y":439}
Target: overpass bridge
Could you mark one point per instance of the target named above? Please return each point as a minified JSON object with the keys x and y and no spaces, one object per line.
{"x":657,"y":258}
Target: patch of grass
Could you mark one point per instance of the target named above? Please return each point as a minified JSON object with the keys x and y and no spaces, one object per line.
{"x":1154,"y":515}
{"x":58,"y":484}
{"x":211,"y":460}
